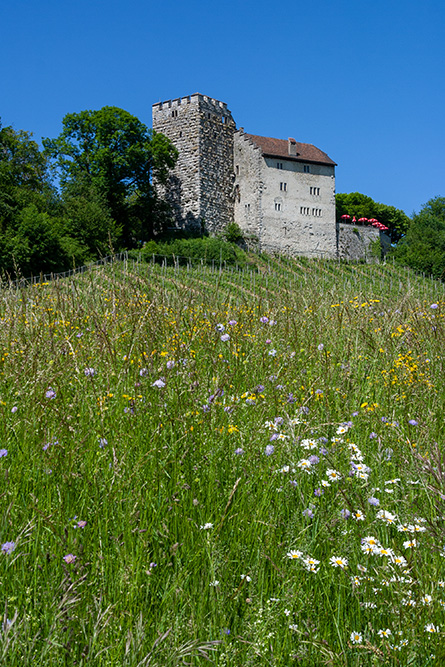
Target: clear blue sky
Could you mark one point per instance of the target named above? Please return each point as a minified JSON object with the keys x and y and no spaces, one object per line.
{"x":364,"y":80}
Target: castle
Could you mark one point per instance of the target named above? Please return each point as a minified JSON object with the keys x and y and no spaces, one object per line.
{"x":281,"y":193}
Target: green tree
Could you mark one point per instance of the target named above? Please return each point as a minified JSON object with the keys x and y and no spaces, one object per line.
{"x":115,"y":153}
{"x":361,"y":206}
{"x":24,"y":176}
{"x":423,"y":247}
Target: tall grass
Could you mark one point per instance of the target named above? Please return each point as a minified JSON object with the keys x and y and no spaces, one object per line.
{"x":237,"y":466}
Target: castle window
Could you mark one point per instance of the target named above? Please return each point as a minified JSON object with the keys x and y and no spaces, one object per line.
{"x":283,"y":187}
{"x":223,"y":119}
{"x":305,"y":210}
{"x":279,"y":165}
{"x":174,"y":113}
{"x":315,"y":191}
{"x":316,"y":212}
{"x":237,"y":169}
{"x":277,"y":206}
{"x":306,"y":169}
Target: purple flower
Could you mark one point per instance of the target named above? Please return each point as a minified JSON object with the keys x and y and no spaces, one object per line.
{"x":14,"y":409}
{"x":293,"y":482}
{"x":103,"y":442}
{"x":3,"y":452}
{"x":413,"y":422}
{"x":239,"y":451}
{"x":8,"y":547}
{"x":304,"y":410}
{"x":320,"y":347}
{"x":260,"y":388}
{"x":434,"y":306}
{"x":318,"y":492}
{"x":308,"y":513}
{"x":69,"y":558}
{"x":269,"y":450}
{"x":272,"y":352}
{"x":159,"y":384}
{"x":80,"y":524}
{"x":233,"y":323}
{"x":50,"y":444}
{"x":220,"y":327}
{"x":323,"y":451}
{"x":170,"y":364}
{"x":291,"y":399}
{"x":314,"y":459}
{"x":89,"y":372}
{"x":354,"y":414}
{"x":268,"y":341}
{"x":50,"y":393}
{"x":225,"y":338}
{"x":373,"y":435}
{"x":374,"y":501}
{"x":264,"y":320}
{"x":319,"y":391}
{"x":143,"y":372}
{"x":345,"y":514}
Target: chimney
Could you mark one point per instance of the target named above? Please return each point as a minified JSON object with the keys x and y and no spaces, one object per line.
{"x":292,"y":146}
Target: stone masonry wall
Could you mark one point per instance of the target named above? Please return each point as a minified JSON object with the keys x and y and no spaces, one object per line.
{"x":354,"y":243}
{"x":200,"y":190}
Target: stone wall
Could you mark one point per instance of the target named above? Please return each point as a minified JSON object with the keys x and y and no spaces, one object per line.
{"x":355,"y":243}
{"x":200,"y":190}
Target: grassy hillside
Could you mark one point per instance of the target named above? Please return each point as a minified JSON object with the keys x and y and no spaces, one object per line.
{"x":237,"y":466}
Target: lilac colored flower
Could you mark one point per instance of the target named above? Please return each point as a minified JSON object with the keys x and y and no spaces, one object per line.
{"x":269,"y":450}
{"x":389,"y":452}
{"x":268,"y":341}
{"x":153,"y":565}
{"x":323,"y":439}
{"x":239,"y":451}
{"x":304,"y":410}
{"x":434,"y":306}
{"x":69,"y":558}
{"x":318,"y":492}
{"x":373,"y":435}
{"x":384,"y":420}
{"x":308,"y":513}
{"x":206,"y":408}
{"x":8,"y":547}
{"x":272,"y":323}
{"x":143,"y":372}
{"x":293,"y":482}
{"x":233,"y":323}
{"x":291,"y":398}
{"x":89,"y":372}
{"x":272,"y":378}
{"x":79,"y":335}
{"x":314,"y":459}
{"x":80,"y":524}
{"x":14,"y":409}
{"x":50,"y":444}
{"x":264,"y":320}
{"x":280,"y":387}
{"x":220,"y":327}
{"x":225,"y":338}
{"x":103,"y":442}
{"x":278,"y":421}
{"x":354,"y":414}
{"x":274,"y":436}
{"x":319,"y":391}
{"x":272,"y":352}
{"x":228,"y":408}
{"x":345,"y":514}
{"x":413,"y":422}
{"x":375,"y":502}
{"x":259,"y":388}
{"x":50,"y":393}
{"x":323,"y":451}
{"x":170,"y":364}
{"x":320,"y":347}
{"x":159,"y":384}
{"x":3,"y":452}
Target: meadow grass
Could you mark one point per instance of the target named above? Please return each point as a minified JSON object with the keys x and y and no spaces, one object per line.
{"x":244,"y":466}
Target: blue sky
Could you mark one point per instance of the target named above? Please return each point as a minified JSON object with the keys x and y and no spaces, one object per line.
{"x":363,"y":80}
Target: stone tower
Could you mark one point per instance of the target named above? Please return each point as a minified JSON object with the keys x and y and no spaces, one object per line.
{"x":201,"y":189}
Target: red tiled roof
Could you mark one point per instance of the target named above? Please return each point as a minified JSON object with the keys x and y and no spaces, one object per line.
{"x":279,"y":148}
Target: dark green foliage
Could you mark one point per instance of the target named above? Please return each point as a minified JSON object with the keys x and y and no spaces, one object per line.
{"x":423,"y":247}
{"x":233,"y":233}
{"x":208,"y":249}
{"x":361,"y":206}
{"x":116,"y":154}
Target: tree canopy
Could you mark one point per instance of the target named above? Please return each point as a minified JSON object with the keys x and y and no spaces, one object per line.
{"x":360,"y":206}
{"x":423,"y":247}
{"x":116,"y":154}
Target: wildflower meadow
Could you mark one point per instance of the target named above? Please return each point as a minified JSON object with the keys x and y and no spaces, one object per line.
{"x":240,"y":467}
